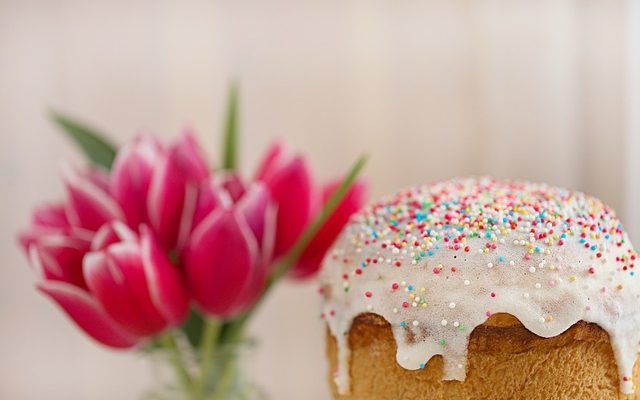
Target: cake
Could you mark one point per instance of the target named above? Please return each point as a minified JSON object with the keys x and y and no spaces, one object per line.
{"x":482,"y":288}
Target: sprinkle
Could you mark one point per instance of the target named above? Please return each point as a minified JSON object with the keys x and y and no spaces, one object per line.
{"x":443,"y":322}
{"x":452,"y":305}
{"x":416,"y":322}
{"x":368,"y":294}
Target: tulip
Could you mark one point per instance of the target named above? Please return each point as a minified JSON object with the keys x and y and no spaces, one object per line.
{"x":133,"y":290}
{"x":173,"y":188}
{"x":311,"y":258}
{"x":131,"y":177}
{"x":223,"y":264}
{"x":253,"y":202}
{"x":290,"y":183}
{"x":54,"y":248}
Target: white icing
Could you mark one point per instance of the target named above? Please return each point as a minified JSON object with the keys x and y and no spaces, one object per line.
{"x":548,"y":291}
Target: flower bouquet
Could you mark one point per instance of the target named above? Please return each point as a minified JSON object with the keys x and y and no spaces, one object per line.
{"x":153,"y":251}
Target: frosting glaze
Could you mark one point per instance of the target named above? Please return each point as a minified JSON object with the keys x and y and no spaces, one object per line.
{"x":436,"y":261}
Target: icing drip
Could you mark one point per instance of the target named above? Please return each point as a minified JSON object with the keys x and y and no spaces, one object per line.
{"x":437,"y":261}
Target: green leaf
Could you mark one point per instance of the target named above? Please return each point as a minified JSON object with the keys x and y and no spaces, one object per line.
{"x":193,"y":327}
{"x":98,"y":149}
{"x":230,"y":143}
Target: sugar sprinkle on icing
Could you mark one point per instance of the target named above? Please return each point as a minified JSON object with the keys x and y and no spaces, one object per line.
{"x":436,"y":261}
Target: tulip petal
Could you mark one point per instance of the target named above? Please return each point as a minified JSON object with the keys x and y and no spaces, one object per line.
{"x":312,"y":256}
{"x":210,"y":197}
{"x":293,"y":191}
{"x":110,"y":233}
{"x":220,"y":261}
{"x":232,"y":183}
{"x":59,"y":257}
{"x":254,"y":207}
{"x":131,"y":177}
{"x":117,"y":279}
{"x":85,"y":311}
{"x":189,"y":157}
{"x":51,"y":216}
{"x":260,"y":213}
{"x":277,"y":156}
{"x":89,"y":206}
{"x":97,"y":176}
{"x":181,"y":167}
{"x":165,"y":283}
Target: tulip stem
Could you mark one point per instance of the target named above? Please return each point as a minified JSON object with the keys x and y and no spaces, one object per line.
{"x":177,"y":360}
{"x":207,"y":346}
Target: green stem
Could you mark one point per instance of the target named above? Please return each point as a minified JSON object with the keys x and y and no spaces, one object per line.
{"x":177,"y":360}
{"x":225,"y":381}
{"x":208,"y":344}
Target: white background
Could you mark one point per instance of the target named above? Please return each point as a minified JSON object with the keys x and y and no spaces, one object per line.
{"x":541,"y":90}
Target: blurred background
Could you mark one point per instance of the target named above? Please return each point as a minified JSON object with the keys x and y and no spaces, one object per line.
{"x":540,"y":90}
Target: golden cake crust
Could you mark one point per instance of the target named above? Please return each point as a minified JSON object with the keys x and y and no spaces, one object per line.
{"x":505,"y":361}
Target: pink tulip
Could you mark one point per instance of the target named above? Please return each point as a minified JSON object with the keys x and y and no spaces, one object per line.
{"x":54,"y":248}
{"x":311,"y":258}
{"x":223,"y":263}
{"x":253,"y":202}
{"x":133,"y":290}
{"x":131,"y":177}
{"x":289,"y":180}
{"x":173,"y":189}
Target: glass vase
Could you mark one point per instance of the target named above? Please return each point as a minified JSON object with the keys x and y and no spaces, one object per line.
{"x":226,"y":374}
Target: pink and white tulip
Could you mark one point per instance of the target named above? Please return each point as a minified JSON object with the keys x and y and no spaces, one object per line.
{"x":131,"y":177}
{"x":291,"y":185}
{"x":228,"y":253}
{"x":133,"y":291}
{"x":173,"y":188}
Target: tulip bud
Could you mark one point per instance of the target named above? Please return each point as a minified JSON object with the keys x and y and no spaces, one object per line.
{"x":290,"y":184}
{"x":174,"y":187}
{"x":131,"y":177}
{"x":221,"y":262}
{"x":137,"y":286}
{"x":58,"y":257}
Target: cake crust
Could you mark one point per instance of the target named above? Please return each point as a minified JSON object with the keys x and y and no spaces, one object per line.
{"x":505,"y":361}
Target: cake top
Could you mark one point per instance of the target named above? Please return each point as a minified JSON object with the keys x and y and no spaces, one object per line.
{"x":436,"y":261}
{"x":427,"y":219}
